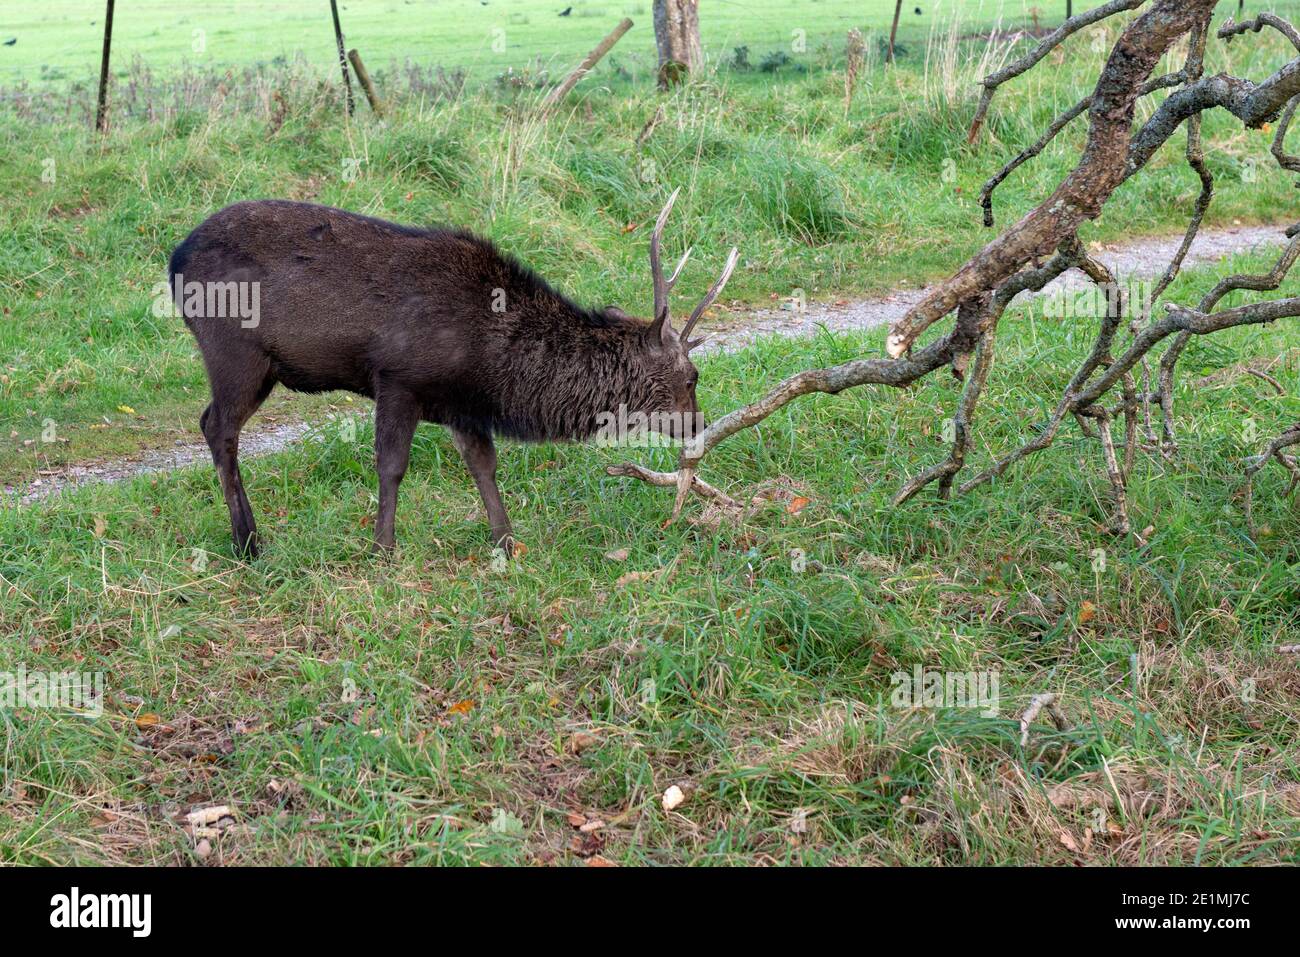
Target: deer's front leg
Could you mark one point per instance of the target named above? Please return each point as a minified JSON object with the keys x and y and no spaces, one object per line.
{"x":480,"y":455}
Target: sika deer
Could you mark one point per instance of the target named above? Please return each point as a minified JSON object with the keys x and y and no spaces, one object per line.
{"x":435,"y":325}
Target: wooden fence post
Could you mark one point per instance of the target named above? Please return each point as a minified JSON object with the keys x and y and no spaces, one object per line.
{"x":893,"y":31}
{"x":594,"y":57}
{"x":101,"y":111}
{"x":359,"y":68}
{"x":343,"y":58}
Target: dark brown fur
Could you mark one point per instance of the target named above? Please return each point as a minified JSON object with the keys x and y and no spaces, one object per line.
{"x":405,"y":316}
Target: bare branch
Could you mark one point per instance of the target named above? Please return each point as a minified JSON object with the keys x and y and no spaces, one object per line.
{"x":1273,"y":453}
{"x":1102,"y":168}
{"x":1045,"y":46}
{"x":1230,"y":29}
{"x":1037,"y":704}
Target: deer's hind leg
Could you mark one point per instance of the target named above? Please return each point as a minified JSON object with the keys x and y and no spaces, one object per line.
{"x":397,"y":413}
{"x":239,"y":387}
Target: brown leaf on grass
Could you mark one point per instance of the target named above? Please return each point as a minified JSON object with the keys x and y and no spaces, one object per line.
{"x":151,"y":720}
{"x":464,"y":706}
{"x":599,"y":861}
{"x":575,"y":819}
{"x":581,"y":741}
{"x":519,"y":550}
{"x":797,"y":504}
{"x":588,"y":844}
{"x":101,"y":526}
{"x":630,"y":577}
{"x":1087,"y":612}
{"x":617,"y":555}
{"x":1067,"y":839}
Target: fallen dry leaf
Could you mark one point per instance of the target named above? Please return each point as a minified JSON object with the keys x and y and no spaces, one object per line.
{"x":617,"y":555}
{"x":797,"y":504}
{"x":581,"y":741}
{"x":630,"y":577}
{"x":1087,"y":612}
{"x":464,"y":706}
{"x":201,"y":817}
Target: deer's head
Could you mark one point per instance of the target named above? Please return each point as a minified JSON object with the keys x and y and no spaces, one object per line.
{"x":671,"y":376}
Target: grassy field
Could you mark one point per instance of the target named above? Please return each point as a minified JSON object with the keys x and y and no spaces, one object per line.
{"x":818,"y":200}
{"x":59,"y":40}
{"x":433,"y":708}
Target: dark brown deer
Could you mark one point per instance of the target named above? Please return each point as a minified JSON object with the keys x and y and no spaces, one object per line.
{"x":435,"y":325}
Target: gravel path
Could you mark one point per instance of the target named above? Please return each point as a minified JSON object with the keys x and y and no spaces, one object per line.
{"x":1142,"y":259}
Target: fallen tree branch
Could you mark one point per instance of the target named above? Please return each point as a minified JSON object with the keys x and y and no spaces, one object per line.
{"x":1273,"y":453}
{"x":1044,"y":244}
{"x":1031,"y":59}
{"x":1037,"y":704}
{"x":1107,"y":159}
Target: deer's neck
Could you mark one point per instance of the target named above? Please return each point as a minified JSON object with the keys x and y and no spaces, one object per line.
{"x":571,"y":379}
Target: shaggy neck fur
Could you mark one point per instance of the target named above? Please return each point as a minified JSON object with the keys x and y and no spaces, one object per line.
{"x":566,"y":365}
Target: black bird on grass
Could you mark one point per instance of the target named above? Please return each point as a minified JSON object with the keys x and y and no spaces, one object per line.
{"x":566,"y":11}
{"x":10,"y":43}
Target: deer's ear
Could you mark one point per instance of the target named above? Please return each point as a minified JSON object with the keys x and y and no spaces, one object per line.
{"x":613,"y":312}
{"x":659,"y":330}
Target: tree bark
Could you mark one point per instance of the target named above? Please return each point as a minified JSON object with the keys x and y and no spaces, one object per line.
{"x":677,"y":34}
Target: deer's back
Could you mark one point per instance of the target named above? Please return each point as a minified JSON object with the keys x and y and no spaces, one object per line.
{"x":342,"y":296}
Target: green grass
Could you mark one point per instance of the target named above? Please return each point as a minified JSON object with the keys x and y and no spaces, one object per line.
{"x":433,"y":709}
{"x":817,"y":201}
{"x":60,"y":40}
{"x":361,"y":711}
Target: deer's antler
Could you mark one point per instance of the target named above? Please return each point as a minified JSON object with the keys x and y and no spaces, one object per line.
{"x":664,"y":285}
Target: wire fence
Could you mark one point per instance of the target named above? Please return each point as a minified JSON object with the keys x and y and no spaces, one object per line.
{"x":59,"y":41}
{"x":170,"y":57}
